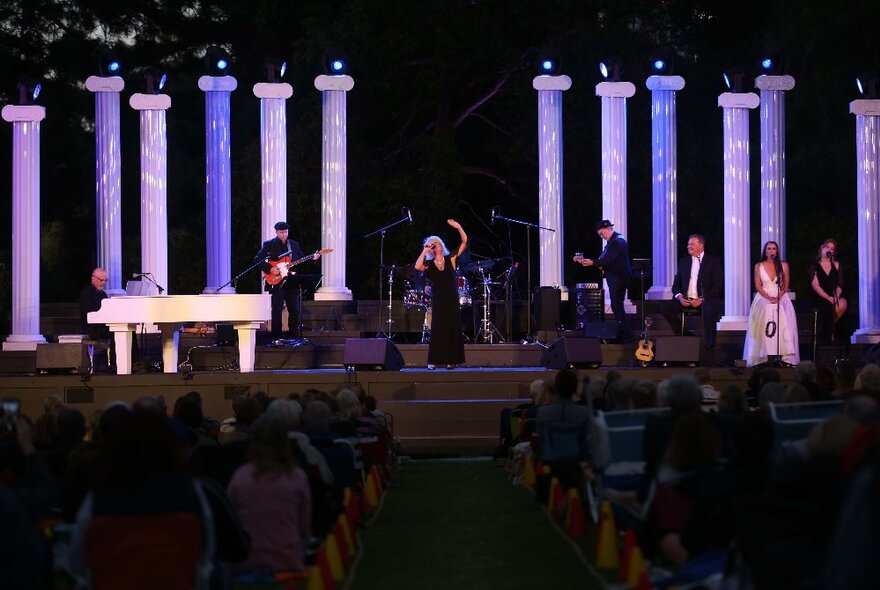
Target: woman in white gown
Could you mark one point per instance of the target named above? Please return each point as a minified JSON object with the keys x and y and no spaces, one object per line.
{"x":767,"y":331}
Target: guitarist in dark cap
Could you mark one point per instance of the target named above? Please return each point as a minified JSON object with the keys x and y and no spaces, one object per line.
{"x":285,"y":292}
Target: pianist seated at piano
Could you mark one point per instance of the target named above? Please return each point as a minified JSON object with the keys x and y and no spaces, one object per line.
{"x":285,"y":292}
{"x":90,"y":299}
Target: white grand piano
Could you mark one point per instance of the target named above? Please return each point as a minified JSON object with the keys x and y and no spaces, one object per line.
{"x":123,"y":315}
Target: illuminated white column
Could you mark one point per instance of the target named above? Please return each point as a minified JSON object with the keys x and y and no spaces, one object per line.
{"x":614,"y":95}
{"x":737,"y":258}
{"x":218,"y":183}
{"x":772,"y":112}
{"x":273,"y":153}
{"x":664,"y":182}
{"x":867,"y":114}
{"x":154,"y":188}
{"x":25,"y":226}
{"x":108,"y":179}
{"x":550,"y":256}
{"x":334,"y":168}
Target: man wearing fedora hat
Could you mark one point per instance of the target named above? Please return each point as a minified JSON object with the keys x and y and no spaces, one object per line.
{"x":285,"y":292}
{"x":614,"y":263}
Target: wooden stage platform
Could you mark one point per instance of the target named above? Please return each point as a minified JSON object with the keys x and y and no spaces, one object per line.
{"x":447,"y":412}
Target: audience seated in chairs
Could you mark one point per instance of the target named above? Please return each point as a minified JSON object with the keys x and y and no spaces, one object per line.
{"x":271,"y":495}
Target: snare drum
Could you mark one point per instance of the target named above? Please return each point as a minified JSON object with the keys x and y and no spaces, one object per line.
{"x":414,"y":299}
{"x":464,"y":291}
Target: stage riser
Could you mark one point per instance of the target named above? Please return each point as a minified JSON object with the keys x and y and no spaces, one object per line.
{"x":446,"y":412}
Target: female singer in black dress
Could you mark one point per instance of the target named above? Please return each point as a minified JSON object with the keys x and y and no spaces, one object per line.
{"x":826,"y":279}
{"x":446,"y":346}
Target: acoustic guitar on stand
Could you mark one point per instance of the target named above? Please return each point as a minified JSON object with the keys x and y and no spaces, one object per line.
{"x":645,"y":351}
{"x":284,"y":266}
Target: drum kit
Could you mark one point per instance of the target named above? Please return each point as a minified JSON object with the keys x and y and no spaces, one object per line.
{"x":484,"y":283}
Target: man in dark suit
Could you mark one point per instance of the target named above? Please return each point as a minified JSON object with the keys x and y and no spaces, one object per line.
{"x":699,"y":283}
{"x":614,"y":262}
{"x":285,"y":292}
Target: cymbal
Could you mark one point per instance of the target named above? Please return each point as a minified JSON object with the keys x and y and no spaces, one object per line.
{"x":482,"y":264}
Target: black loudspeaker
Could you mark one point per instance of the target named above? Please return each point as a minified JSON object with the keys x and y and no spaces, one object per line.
{"x":69,"y":357}
{"x":546,"y":304}
{"x":226,"y":335}
{"x":677,"y":349}
{"x":581,"y":353}
{"x":372,"y":354}
{"x":605,"y":331}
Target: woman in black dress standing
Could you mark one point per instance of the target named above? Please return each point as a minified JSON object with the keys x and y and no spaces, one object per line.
{"x":446,"y":346}
{"x":826,"y":279}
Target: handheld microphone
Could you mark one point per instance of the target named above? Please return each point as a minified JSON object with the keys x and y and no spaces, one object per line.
{"x":408,"y":215}
{"x":492,"y":218}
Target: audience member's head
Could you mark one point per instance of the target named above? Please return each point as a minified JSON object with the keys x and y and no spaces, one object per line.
{"x":732,"y":400}
{"x":349,"y":405}
{"x":796,"y":394}
{"x":644,"y":394}
{"x":316,"y":417}
{"x":845,"y":376}
{"x":663,"y":393}
{"x":566,"y":384}
{"x":371,"y":403}
{"x":861,"y":408}
{"x":868,"y":381}
{"x":189,"y":411}
{"x":150,"y":403}
{"x":71,"y":427}
{"x":770,"y":375}
{"x":805,"y":372}
{"x":619,"y":394}
{"x":287,"y":411}
{"x":831,"y":437}
{"x":772,"y":392}
{"x":53,"y":403}
{"x":694,"y":444}
{"x":246,"y":410}
{"x":44,"y":432}
{"x":263,"y":399}
{"x":270,"y":451}
{"x":684,"y":393}
{"x":140,"y":443}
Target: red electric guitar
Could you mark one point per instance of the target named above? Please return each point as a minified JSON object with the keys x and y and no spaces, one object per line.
{"x":284,"y":265}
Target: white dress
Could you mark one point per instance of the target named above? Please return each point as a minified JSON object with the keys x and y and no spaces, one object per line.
{"x":765,"y":329}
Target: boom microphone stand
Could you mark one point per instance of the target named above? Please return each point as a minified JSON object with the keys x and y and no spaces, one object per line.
{"x":407,"y":216}
{"x":497,"y":215}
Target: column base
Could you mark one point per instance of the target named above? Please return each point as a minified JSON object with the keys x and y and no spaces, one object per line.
{"x":659,"y":293}
{"x":23,"y":341}
{"x":333,"y":294}
{"x":733,"y":323}
{"x":227,"y":290}
{"x":866,"y":336}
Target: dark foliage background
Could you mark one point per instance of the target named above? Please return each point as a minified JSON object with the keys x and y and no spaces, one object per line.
{"x":442,"y":118}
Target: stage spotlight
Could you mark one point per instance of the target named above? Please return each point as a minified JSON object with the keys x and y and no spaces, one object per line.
{"x":867,"y":84}
{"x":611,"y":69}
{"x":662,"y":62}
{"x":733,"y":79}
{"x":28,"y":90}
{"x":770,"y":64}
{"x":217,"y":61}
{"x":548,"y":62}
{"x":335,"y":62}
{"x":154,"y":80}
{"x":275,"y":70}
{"x":107,"y":62}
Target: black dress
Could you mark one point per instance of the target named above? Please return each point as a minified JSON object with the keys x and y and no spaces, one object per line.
{"x":828,"y":282}
{"x":446,"y":347}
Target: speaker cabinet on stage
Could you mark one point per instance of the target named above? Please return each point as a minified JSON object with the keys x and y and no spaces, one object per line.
{"x":581,"y":353}
{"x":588,"y":305}
{"x":546,"y":304}
{"x":677,"y":349}
{"x":372,"y":354}
{"x":70,"y":357}
{"x":605,"y":331}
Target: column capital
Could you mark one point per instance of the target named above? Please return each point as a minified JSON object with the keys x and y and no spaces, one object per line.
{"x":104,"y":84}
{"x":150,"y":102}
{"x":15,"y":113}
{"x":664,"y":83}
{"x":615,"y":89}
{"x":273,"y":90}
{"x":217,"y":83}
{"x":739,"y":100}
{"x":774,"y":83}
{"x":551,"y":83}
{"x":862,"y":106}
{"x":343,"y":83}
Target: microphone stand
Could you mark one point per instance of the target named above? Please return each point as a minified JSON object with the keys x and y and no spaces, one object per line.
{"x":528,"y":227}
{"x":381,"y":231}
{"x":149,"y":278}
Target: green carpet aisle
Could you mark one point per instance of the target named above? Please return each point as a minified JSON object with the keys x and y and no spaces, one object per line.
{"x":457,"y":524}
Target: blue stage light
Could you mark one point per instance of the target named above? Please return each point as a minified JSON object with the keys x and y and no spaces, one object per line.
{"x":217,"y":61}
{"x":659,"y":65}
{"x":727,"y":81}
{"x":36,"y":91}
{"x":603,"y":69}
{"x":611,"y":68}
{"x":221,"y":64}
{"x":162,"y":81}
{"x":337,"y":65}
{"x":767,"y":63}
{"x":547,"y":65}
{"x":283,"y":69}
{"x":28,"y":90}
{"x":860,"y":86}
{"x":114,"y":66}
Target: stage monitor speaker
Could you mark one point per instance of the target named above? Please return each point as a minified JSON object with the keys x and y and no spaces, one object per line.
{"x":546,"y":304}
{"x":372,"y":354}
{"x":70,"y":357}
{"x":580,"y":353}
{"x":677,"y":349}
{"x":605,"y":331}
{"x":589,"y":304}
